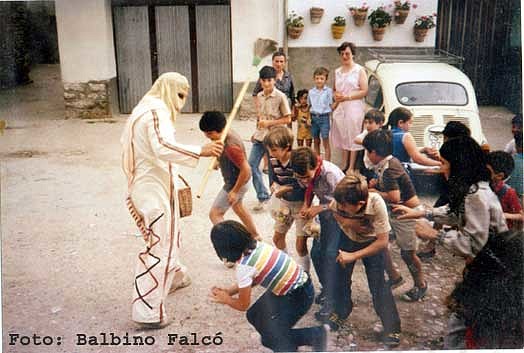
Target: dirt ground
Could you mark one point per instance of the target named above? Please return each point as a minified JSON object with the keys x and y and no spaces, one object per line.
{"x":69,"y":244}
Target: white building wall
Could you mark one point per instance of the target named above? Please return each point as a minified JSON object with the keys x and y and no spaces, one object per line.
{"x":319,"y":35}
{"x":252,"y":19}
{"x":85,"y":40}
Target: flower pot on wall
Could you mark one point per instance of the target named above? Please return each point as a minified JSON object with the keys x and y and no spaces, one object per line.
{"x":400,"y":16}
{"x":378,"y":33}
{"x":294,"y":32}
{"x":337,"y":31}
{"x":420,"y":34}
{"x":316,"y":13}
{"x":359,"y":17}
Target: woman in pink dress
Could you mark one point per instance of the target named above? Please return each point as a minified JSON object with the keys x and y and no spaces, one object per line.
{"x":351,"y":86}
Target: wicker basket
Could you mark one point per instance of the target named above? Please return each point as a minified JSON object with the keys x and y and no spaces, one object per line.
{"x":185,"y":200}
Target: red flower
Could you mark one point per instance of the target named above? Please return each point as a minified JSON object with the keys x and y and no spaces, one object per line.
{"x":414,"y":6}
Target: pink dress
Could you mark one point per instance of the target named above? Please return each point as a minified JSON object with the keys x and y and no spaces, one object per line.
{"x":349,"y":115}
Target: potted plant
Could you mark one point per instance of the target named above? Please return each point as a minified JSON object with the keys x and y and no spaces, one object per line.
{"x":316,"y":13}
{"x":295,"y":25}
{"x":402,"y":11}
{"x":359,"y":14}
{"x":379,"y":19}
{"x":338,"y":27}
{"x":422,"y":25}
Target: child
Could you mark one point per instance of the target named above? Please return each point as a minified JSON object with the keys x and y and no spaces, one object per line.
{"x":373,"y":120}
{"x":235,"y":172}
{"x":515,"y":181}
{"x":320,"y":99}
{"x":274,"y":110}
{"x":320,"y":178}
{"x":289,"y":292}
{"x":500,"y":165}
{"x":278,"y":142}
{"x":404,"y":146}
{"x":395,"y":186}
{"x":363,"y":217}
{"x":303,"y":118}
{"x":516,"y":126}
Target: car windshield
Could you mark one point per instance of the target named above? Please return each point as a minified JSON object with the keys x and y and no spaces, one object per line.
{"x":431,"y":93}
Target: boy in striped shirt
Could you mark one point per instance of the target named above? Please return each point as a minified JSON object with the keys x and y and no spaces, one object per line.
{"x":289,"y":292}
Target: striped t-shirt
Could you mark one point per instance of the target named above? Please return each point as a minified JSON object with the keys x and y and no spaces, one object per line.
{"x":271,"y":268}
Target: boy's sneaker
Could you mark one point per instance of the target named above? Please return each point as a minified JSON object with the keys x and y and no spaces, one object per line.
{"x":321,"y":297}
{"x":324,"y":313}
{"x":395,"y":283}
{"x":321,"y":344}
{"x":260,"y":206}
{"x":415,"y":294}
{"x":392,"y":339}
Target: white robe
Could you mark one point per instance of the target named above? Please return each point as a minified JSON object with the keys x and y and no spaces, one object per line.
{"x":150,"y":158}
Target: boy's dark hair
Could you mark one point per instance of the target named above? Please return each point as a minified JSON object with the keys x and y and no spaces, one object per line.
{"x":212,"y":121}
{"x":230,"y":240}
{"x":501,"y":162}
{"x":517,"y":120}
{"x":303,"y":159}
{"x":380,"y":141}
{"x":399,"y":114}
{"x":267,"y":72}
{"x":321,"y":71}
{"x":455,"y":129}
{"x":278,"y":53}
{"x":375,"y":115}
{"x":301,"y":93}
{"x":352,"y":189}
{"x":280,"y":137}
{"x":349,"y":45}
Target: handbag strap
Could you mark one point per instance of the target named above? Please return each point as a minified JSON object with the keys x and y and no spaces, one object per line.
{"x":183,"y":180}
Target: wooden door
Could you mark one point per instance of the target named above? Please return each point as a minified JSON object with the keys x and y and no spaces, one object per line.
{"x":133,"y":55}
{"x":173,"y":44}
{"x":213,"y":47}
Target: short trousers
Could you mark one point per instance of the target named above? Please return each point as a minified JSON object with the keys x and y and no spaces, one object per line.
{"x":294,"y":208}
{"x":320,"y":125}
{"x":221,"y":203}
{"x":405,"y":232}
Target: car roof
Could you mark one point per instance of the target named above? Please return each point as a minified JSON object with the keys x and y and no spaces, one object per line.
{"x":395,"y":73}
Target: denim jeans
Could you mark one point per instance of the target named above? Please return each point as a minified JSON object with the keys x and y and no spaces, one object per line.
{"x":325,"y":250}
{"x":257,"y":152}
{"x":381,"y":295}
{"x":274,"y":316}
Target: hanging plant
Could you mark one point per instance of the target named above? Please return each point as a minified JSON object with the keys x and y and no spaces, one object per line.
{"x":422,"y":25}
{"x":295,"y":25}
{"x":359,"y":14}
{"x":338,"y":27}
{"x":316,"y":13}
{"x":379,"y":19}
{"x":402,"y":11}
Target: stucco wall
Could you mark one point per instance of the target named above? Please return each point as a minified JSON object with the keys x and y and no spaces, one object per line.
{"x":252,"y":19}
{"x":319,"y":35}
{"x":85,"y":40}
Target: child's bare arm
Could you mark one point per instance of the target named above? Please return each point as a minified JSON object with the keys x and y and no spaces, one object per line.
{"x":375,"y":247}
{"x":514,"y":216}
{"x":263,"y":124}
{"x":224,"y":297}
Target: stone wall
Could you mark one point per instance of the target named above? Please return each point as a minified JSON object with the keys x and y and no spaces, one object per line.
{"x":89,"y":100}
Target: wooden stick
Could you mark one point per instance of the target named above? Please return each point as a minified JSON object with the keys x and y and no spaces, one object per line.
{"x":232,"y":115}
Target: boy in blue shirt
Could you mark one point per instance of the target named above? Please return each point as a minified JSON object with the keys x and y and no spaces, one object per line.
{"x":320,"y":100}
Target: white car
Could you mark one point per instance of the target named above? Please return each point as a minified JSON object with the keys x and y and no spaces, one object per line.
{"x":428,"y":85}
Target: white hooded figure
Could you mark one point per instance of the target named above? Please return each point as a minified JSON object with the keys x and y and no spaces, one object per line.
{"x":150,"y":157}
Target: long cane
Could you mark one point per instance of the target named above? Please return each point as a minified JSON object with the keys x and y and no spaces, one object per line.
{"x":263,"y":47}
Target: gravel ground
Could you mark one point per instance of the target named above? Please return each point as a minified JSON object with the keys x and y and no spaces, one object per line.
{"x":69,"y":245}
